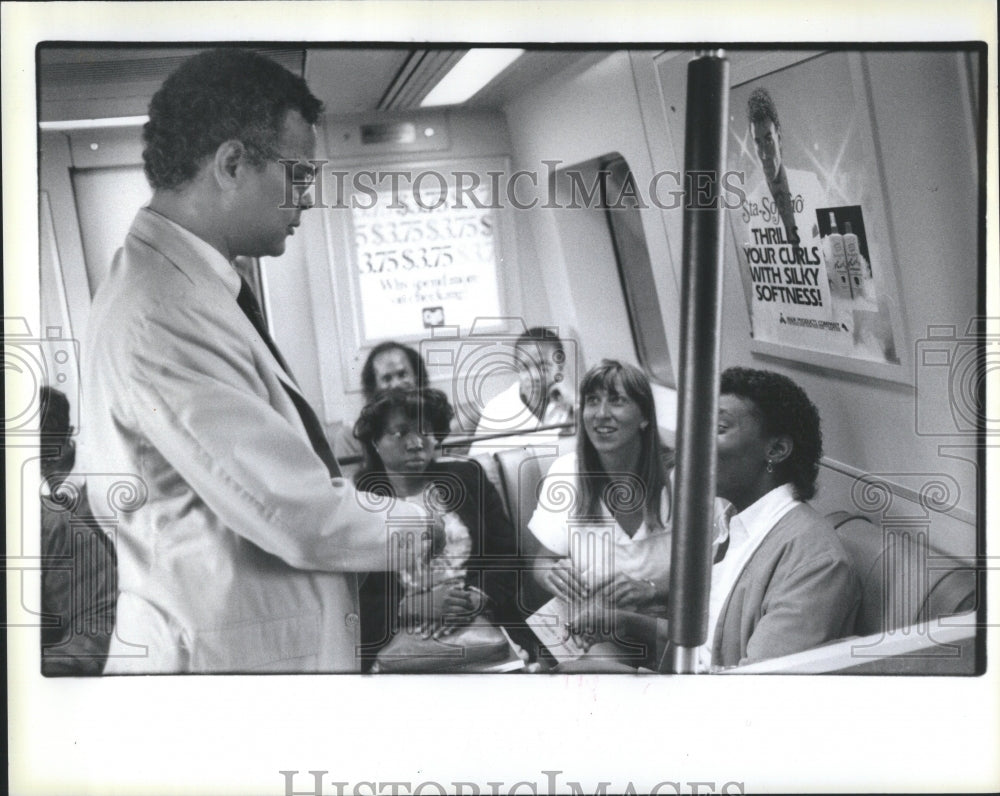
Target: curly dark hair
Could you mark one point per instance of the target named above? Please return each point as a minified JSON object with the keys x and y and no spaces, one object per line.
{"x":217,"y":96}
{"x":784,"y":409}
{"x":760,"y":108}
{"x":540,"y":334}
{"x":427,"y":407}
{"x":368,"y":385}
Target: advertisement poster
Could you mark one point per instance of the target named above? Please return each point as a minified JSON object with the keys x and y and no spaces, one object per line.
{"x":425,"y":257}
{"x":810,"y":236}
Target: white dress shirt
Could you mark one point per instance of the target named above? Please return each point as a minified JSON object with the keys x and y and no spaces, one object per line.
{"x":507,"y":414}
{"x":599,"y":547}
{"x":212,"y":256}
{"x":746,"y":532}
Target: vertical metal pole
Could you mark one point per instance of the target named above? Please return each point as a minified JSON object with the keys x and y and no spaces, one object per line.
{"x":701,"y":315}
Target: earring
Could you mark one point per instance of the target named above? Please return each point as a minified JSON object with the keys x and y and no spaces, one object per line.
{"x":644,"y":425}
{"x":770,"y":466}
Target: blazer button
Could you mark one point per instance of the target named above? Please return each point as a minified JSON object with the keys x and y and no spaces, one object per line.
{"x":352,"y":619}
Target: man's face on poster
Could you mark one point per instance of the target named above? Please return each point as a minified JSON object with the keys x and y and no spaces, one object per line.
{"x":767,"y":140}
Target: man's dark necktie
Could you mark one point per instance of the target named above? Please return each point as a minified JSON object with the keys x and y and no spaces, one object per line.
{"x":248,"y":303}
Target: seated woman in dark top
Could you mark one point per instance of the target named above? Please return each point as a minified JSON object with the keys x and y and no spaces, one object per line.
{"x":472,"y":568}
{"x":782,"y":582}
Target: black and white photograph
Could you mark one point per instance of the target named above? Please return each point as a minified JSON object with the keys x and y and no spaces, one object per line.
{"x":429,"y":397}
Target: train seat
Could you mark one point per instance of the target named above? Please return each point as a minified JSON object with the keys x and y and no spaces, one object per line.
{"x":904,"y":579}
{"x":521,"y":472}
{"x":492,"y":469}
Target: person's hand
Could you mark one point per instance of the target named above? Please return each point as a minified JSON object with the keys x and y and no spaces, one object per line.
{"x":414,"y":608}
{"x":455,"y":606}
{"x":592,"y":621}
{"x":559,"y":577}
{"x":597,"y":622}
{"x":627,"y":592}
{"x":442,"y":609}
{"x":422,"y":610}
{"x":413,"y":545}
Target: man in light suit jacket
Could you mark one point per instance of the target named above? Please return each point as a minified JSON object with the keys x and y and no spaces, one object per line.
{"x":240,"y":548}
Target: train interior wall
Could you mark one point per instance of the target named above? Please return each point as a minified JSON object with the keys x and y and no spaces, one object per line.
{"x":925,"y":123}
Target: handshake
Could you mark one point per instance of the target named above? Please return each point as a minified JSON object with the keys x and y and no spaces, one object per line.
{"x":436,"y":599}
{"x":414,"y":540}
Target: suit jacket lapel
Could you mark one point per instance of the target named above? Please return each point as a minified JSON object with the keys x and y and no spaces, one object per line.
{"x":159,"y":234}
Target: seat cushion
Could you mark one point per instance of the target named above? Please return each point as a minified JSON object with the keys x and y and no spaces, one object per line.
{"x":521,"y":472}
{"x":904,"y":579}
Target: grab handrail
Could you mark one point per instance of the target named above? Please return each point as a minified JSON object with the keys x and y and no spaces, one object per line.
{"x":698,"y":385}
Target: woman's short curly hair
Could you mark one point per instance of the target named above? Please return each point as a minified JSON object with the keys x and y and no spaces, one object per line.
{"x":217,"y":96}
{"x":427,"y":407}
{"x":785,"y":410}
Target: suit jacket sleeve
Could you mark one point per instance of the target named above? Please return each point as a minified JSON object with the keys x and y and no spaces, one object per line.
{"x":814,"y":601}
{"x":205,"y":415}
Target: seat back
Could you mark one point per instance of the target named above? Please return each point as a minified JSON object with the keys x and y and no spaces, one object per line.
{"x":521,"y":472}
{"x":489,"y":464}
{"x":903,"y":579}
{"x":492,"y":470}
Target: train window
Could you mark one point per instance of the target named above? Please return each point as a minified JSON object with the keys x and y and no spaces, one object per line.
{"x":619,"y":198}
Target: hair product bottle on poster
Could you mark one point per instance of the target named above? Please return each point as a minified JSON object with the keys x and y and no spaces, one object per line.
{"x":852,"y":255}
{"x":838,"y":259}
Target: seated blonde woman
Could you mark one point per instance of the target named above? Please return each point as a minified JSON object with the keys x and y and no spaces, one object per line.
{"x":604,"y":515}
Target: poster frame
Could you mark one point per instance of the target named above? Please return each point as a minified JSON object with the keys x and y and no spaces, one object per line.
{"x":759,"y":66}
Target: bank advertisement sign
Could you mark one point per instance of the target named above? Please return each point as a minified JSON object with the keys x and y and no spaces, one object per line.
{"x":425,"y":257}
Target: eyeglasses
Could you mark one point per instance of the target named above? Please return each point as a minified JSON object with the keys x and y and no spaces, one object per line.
{"x":300,"y":176}
{"x":404,"y":432}
{"x":297,"y":172}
